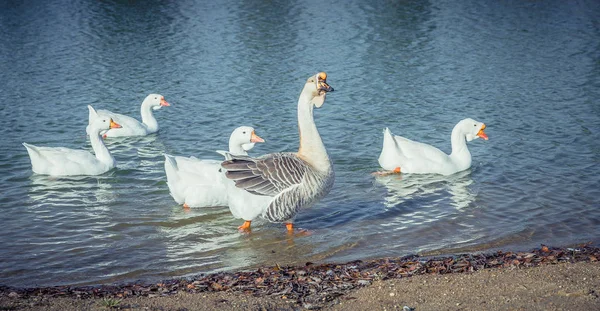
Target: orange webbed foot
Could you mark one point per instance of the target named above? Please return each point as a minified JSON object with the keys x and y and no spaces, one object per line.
{"x":245,"y":228}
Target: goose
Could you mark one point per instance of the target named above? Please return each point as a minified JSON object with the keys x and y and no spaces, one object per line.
{"x":133,"y":127}
{"x":288,"y":181}
{"x":60,"y":161}
{"x":201,"y":183}
{"x":400,"y":154}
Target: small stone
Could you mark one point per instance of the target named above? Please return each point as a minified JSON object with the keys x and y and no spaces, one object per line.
{"x":545,"y":249}
{"x":392,"y":294}
{"x":13,"y":295}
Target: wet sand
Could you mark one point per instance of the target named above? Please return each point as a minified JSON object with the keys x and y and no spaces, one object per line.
{"x":541,"y":279}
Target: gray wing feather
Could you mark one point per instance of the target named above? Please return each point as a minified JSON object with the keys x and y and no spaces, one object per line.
{"x":291,"y":182}
{"x":267,"y":175}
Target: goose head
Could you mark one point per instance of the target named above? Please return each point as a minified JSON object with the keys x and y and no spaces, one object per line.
{"x":100,"y":123}
{"x":318,"y":88}
{"x":245,"y":137}
{"x":155,"y":101}
{"x":472,"y":129}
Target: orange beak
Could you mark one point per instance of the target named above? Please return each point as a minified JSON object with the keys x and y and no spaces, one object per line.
{"x":482,"y":134}
{"x":163,"y":102}
{"x":114,"y":125}
{"x":256,"y":139}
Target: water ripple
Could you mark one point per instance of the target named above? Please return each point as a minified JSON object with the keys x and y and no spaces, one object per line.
{"x":528,"y":70}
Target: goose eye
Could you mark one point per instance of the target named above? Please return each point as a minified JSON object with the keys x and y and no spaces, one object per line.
{"x":474,"y":124}
{"x":244,"y":132}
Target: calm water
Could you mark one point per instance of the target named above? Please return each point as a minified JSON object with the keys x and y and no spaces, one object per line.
{"x":530,"y":70}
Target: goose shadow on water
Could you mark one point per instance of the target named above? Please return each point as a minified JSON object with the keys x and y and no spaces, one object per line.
{"x":403,"y":188}
{"x":142,"y":153}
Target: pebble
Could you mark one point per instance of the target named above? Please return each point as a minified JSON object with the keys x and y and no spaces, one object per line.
{"x":310,"y":285}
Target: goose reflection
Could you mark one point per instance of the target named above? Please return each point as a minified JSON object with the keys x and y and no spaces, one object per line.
{"x":403,"y":187}
{"x":138,"y":152}
{"x":201,"y":240}
{"x":75,"y":191}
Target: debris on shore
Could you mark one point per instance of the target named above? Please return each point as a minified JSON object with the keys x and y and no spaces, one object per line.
{"x":317,"y":284}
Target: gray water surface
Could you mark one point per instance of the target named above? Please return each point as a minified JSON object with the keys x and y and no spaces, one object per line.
{"x":529,"y":70}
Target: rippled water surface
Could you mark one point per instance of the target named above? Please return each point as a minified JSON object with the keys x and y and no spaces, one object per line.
{"x":530,"y":70}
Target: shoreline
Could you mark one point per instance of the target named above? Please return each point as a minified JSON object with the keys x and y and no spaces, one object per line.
{"x":312,"y":286}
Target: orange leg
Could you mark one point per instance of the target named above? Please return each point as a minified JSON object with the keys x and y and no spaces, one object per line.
{"x":291,"y":231}
{"x":185,"y":206}
{"x":397,"y":170}
{"x":245,"y":226}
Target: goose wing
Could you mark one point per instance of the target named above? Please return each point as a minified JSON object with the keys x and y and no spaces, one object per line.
{"x":284,"y":176}
{"x":420,"y":151}
{"x":268,"y":175}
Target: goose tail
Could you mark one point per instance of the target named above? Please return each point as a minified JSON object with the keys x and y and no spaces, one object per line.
{"x":29,"y":147}
{"x":171,"y":168}
{"x":389,"y":152}
{"x":225,"y":154}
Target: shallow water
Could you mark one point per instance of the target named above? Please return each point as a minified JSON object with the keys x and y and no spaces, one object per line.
{"x":529,"y":70}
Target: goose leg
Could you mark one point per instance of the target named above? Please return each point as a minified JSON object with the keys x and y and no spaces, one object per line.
{"x":397,"y":170}
{"x":185,"y":206}
{"x":291,"y":231}
{"x":245,"y":226}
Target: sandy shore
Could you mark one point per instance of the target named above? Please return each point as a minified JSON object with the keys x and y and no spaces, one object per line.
{"x":545,"y":279}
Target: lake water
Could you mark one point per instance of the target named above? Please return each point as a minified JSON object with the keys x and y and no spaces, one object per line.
{"x":530,"y":70}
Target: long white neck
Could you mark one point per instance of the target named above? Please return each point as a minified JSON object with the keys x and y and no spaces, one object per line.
{"x":236,"y":148}
{"x":102,"y":153}
{"x":460,"y":153}
{"x":311,"y":148}
{"x":148,"y":118}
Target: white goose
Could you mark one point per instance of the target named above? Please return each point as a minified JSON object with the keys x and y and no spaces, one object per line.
{"x":401,"y":154}
{"x":133,"y":127}
{"x":202,"y":183}
{"x":288,"y":181}
{"x":59,"y":161}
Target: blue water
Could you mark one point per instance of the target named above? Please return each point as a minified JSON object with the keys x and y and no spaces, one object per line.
{"x":530,"y":70}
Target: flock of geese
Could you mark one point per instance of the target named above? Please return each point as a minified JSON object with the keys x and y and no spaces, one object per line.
{"x":273,"y":186}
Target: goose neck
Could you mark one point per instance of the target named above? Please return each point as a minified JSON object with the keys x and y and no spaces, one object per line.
{"x":148,"y":118}
{"x":311,"y":148}
{"x":460,"y":151}
{"x":102,"y":153}
{"x":236,"y":148}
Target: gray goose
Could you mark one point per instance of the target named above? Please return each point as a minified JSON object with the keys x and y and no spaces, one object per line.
{"x":294,"y":180}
